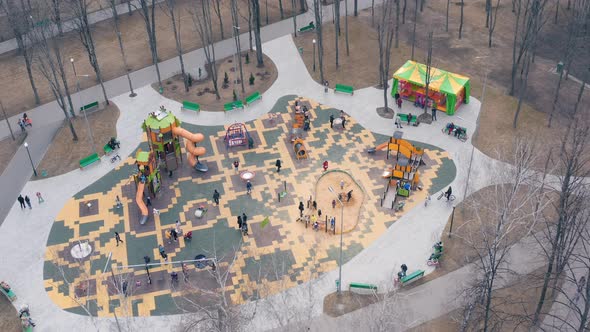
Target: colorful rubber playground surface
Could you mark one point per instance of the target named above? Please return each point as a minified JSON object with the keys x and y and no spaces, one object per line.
{"x":278,"y":253}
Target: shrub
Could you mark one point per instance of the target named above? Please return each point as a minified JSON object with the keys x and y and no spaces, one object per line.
{"x":247,"y":58}
{"x":190,"y":80}
{"x":235,"y":96}
{"x":252,"y":79}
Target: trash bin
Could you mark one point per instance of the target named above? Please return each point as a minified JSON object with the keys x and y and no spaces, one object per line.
{"x":559,"y":67}
{"x":301,"y":50}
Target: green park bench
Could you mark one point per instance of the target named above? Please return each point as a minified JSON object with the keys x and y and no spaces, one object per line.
{"x":344,"y":89}
{"x":9,"y":294}
{"x":404,"y":118}
{"x":308,"y":27}
{"x":190,"y":106}
{"x":89,"y":108}
{"x":233,"y":105}
{"x":91,"y":159}
{"x":362,"y":286}
{"x":252,"y":98}
{"x":413,"y":276}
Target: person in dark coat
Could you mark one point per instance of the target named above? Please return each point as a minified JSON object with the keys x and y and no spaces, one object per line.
{"x":240,"y":222}
{"x":301,"y":208}
{"x":118,"y":238}
{"x":21,"y":200}
{"x":216,"y":197}
{"x":28,"y":201}
{"x":331,"y":120}
{"x":278,"y":164}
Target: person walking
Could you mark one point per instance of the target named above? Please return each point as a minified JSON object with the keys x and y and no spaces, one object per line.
{"x":118,"y":238}
{"x":249,"y":187}
{"x":349,"y":196}
{"x":28,"y":201}
{"x":326,"y":85}
{"x":301,"y":208}
{"x":397,"y":96}
{"x":178,"y":229}
{"x":41,"y":200}
{"x":216,"y":197}
{"x":174,"y":234}
{"x":341,"y":184}
{"x":434,"y":113}
{"x":162,"y":251}
{"x":314,"y":205}
{"x":278,"y":164}
{"x":236,"y":165}
{"x":343,"y":122}
{"x":148,"y":201}
{"x":331,"y":120}
{"x":325,"y":165}
{"x":319,"y":213}
{"x":240,"y":222}
{"x":398,"y":123}
{"x":118,"y":202}
{"x":244,"y":218}
{"x":21,"y":200}
{"x":399,"y":103}
{"x":409,"y":118}
{"x":21,"y":124}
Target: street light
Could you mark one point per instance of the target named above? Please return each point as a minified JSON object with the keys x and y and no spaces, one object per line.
{"x":30,"y":159}
{"x":313,"y":41}
{"x":81,"y":106}
{"x":339,"y":288}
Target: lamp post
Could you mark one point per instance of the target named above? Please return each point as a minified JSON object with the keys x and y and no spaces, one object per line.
{"x":339,"y":288}
{"x":30,"y":159}
{"x":81,"y":106}
{"x":313,"y":41}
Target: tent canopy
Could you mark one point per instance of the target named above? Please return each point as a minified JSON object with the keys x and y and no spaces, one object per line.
{"x":440,"y":80}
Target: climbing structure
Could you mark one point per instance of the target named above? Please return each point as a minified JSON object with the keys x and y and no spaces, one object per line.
{"x":236,"y":135}
{"x":148,"y":174}
{"x":404,"y":174}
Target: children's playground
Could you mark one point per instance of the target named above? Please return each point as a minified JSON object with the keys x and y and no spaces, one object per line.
{"x":293,"y":215}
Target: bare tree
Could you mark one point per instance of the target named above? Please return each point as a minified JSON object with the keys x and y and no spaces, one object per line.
{"x":303,"y":5}
{"x":397,"y":23}
{"x":113,"y":6}
{"x":82,"y":26}
{"x":49,"y":61}
{"x":217,"y":10}
{"x":235,"y":22}
{"x":346,"y":26}
{"x":294,"y":18}
{"x":202,"y":22}
{"x":318,"y":14}
{"x":428,"y":74}
{"x":414,"y":30}
{"x":562,"y":235}
{"x":281,"y":9}
{"x":447,"y":17}
{"x":336,"y":29}
{"x":492,"y":18}
{"x":575,"y":33}
{"x":534,"y":23}
{"x":404,"y":12}
{"x":385,"y":32}
{"x":56,"y":9}
{"x":266,"y":10}
{"x":257,"y":38}
{"x":498,"y":222}
{"x":171,"y":6}
{"x":462,"y":5}
{"x":147,"y":11}
{"x":20,"y":23}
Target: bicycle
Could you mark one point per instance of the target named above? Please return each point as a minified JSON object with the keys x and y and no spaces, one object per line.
{"x":443,"y":194}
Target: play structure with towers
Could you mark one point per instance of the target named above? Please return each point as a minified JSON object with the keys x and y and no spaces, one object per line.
{"x":163,"y":132}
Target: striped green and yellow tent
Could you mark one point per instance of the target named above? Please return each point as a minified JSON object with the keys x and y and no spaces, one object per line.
{"x":450,"y":84}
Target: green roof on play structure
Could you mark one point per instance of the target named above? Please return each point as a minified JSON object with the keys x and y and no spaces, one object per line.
{"x":440,"y":80}
{"x":161,"y":119}
{"x":143,"y":156}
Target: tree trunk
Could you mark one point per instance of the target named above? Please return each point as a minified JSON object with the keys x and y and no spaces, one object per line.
{"x":522,"y":92}
{"x":447,"y":18}
{"x":57,"y":17}
{"x":404,"y":12}
{"x":256,"y":13}
{"x":217,"y":10}
{"x":266,"y":10}
{"x":336,"y":28}
{"x":346,"y":26}
{"x":556,"y":12}
{"x":414,"y":30}
{"x":356,"y":7}
{"x":235,"y":20}
{"x":488,"y":9}
{"x":579,"y":98}
{"x":421,"y":5}
{"x":294,"y":18}
{"x":178,"y":41}
{"x":281,"y":9}
{"x":493,"y":14}
{"x":318,"y":19}
{"x":555,"y":99}
{"x":514,"y":46}
{"x":113,"y":6}
{"x":302,"y":5}
{"x":372,"y":13}
{"x":397,"y":23}
{"x":155,"y":43}
{"x":250,"y":23}
{"x":461,"y":20}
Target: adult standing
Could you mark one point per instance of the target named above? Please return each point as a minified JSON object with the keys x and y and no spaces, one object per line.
{"x":21,"y":200}
{"x":434,"y":112}
{"x":301,"y":208}
{"x":249,"y":187}
{"x":174,"y":234}
{"x":236,"y":165}
{"x":343,"y":122}
{"x":397,"y":96}
{"x":331,"y":120}
{"x":326,"y":85}
{"x":216,"y":197}
{"x":244,"y":218}
{"x":399,"y":103}
{"x":325,"y":165}
{"x":41,"y":200}
{"x":28,"y":201}
{"x":278,"y":164}
{"x":409,"y":118}
{"x":118,"y":238}
{"x":148,"y":201}
{"x":240,"y":222}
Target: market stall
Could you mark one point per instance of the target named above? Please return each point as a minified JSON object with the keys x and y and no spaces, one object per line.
{"x":447,"y":90}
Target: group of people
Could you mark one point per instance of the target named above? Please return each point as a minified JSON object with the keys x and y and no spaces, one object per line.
{"x":457,"y":131}
{"x":24,"y":122}
{"x":342,"y":120}
{"x":26,"y":201}
{"x":243,"y":224}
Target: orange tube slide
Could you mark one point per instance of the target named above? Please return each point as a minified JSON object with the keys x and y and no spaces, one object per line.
{"x":139,"y":200}
{"x":192,"y":151}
